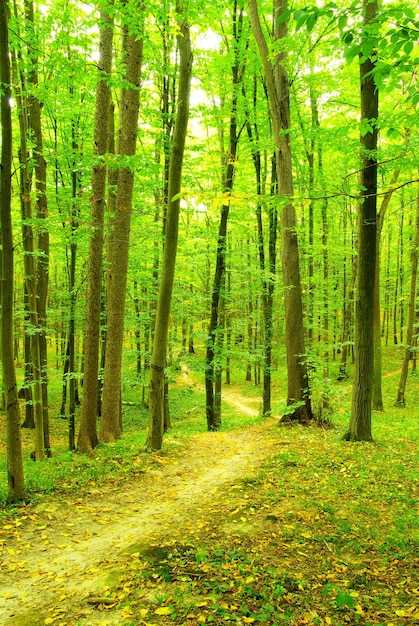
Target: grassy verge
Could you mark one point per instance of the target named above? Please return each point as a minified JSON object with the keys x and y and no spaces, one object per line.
{"x":326,"y":534}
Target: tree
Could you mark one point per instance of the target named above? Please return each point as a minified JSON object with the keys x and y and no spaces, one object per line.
{"x":116,"y":280}
{"x":401,"y":400}
{"x":15,"y":477}
{"x":267,"y":268}
{"x":278,"y":91}
{"x":159,"y":354}
{"x":41,"y":207}
{"x":237,"y":69}
{"x":360,"y":421}
{"x":88,"y":439}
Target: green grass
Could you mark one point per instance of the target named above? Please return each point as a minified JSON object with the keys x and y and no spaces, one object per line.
{"x":327,"y":533}
{"x":71,"y":471}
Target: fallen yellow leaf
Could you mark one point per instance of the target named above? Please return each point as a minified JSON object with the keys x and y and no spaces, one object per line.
{"x":163,"y":610}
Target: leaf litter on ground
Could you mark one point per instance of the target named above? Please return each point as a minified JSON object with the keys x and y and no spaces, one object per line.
{"x":270,"y":525}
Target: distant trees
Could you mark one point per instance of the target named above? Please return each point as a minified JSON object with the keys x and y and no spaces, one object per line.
{"x":99,"y":208}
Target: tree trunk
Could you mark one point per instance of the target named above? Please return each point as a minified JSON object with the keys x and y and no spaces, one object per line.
{"x":401,"y":400}
{"x":117,"y":273}
{"x":268,"y":274}
{"x":29,"y":421}
{"x":15,"y":478}
{"x":32,"y":382}
{"x":298,"y":397}
{"x":159,"y":354}
{"x":42,"y":264}
{"x":213,"y":423}
{"x":88,"y":438}
{"x":377,"y":394}
{"x":360,"y":421}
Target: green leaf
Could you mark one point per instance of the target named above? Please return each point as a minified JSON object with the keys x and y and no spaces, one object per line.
{"x":311,"y":21}
{"x":300,"y":19}
{"x":347,"y":38}
{"x":342,"y":21}
{"x":393,"y":133}
{"x":344,"y":600}
{"x":408,"y":47}
{"x":284,"y":16}
{"x":367,"y":48}
{"x":177,"y":196}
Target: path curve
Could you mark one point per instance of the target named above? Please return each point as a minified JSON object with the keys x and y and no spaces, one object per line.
{"x":68,"y":546}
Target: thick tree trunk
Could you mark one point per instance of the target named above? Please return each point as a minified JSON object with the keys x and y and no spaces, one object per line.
{"x":15,"y":478}
{"x":88,"y":438}
{"x":111,"y":426}
{"x":298,"y":397}
{"x":159,"y":355}
{"x":360,"y":421}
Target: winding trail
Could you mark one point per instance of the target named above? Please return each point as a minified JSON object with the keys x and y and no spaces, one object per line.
{"x":59,"y":552}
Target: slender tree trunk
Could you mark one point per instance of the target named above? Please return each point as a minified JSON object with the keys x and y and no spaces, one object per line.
{"x":401,"y":400}
{"x":347,"y":320}
{"x":137,"y":309}
{"x":32,"y":388}
{"x":298,"y":397}
{"x":360,"y":421}
{"x":42,"y":264}
{"x":397,"y":279}
{"x":377,"y":394}
{"x":227,"y":324}
{"x":325,"y":253}
{"x":88,"y":438}
{"x":29,"y":421}
{"x":249,"y":316}
{"x":159,"y":355}
{"x":213,"y":423}
{"x":111,"y":427}
{"x":15,"y":478}
{"x":268,"y":274}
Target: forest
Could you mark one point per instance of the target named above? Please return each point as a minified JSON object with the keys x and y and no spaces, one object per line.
{"x":209,"y":220}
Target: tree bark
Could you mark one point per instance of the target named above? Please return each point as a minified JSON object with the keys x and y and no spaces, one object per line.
{"x":88,"y":438}
{"x":360,"y":421}
{"x":377,"y":394}
{"x":159,"y":354}
{"x":401,"y":400}
{"x":111,"y":426}
{"x":213,"y":422}
{"x":15,"y":477}
{"x":298,"y":398}
{"x":32,"y":381}
{"x":42,"y":264}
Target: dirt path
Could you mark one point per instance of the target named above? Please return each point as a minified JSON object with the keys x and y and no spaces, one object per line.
{"x":65,"y":550}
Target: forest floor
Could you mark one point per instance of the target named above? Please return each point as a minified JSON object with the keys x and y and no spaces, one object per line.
{"x":266,"y":524}
{"x":58,"y":553}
